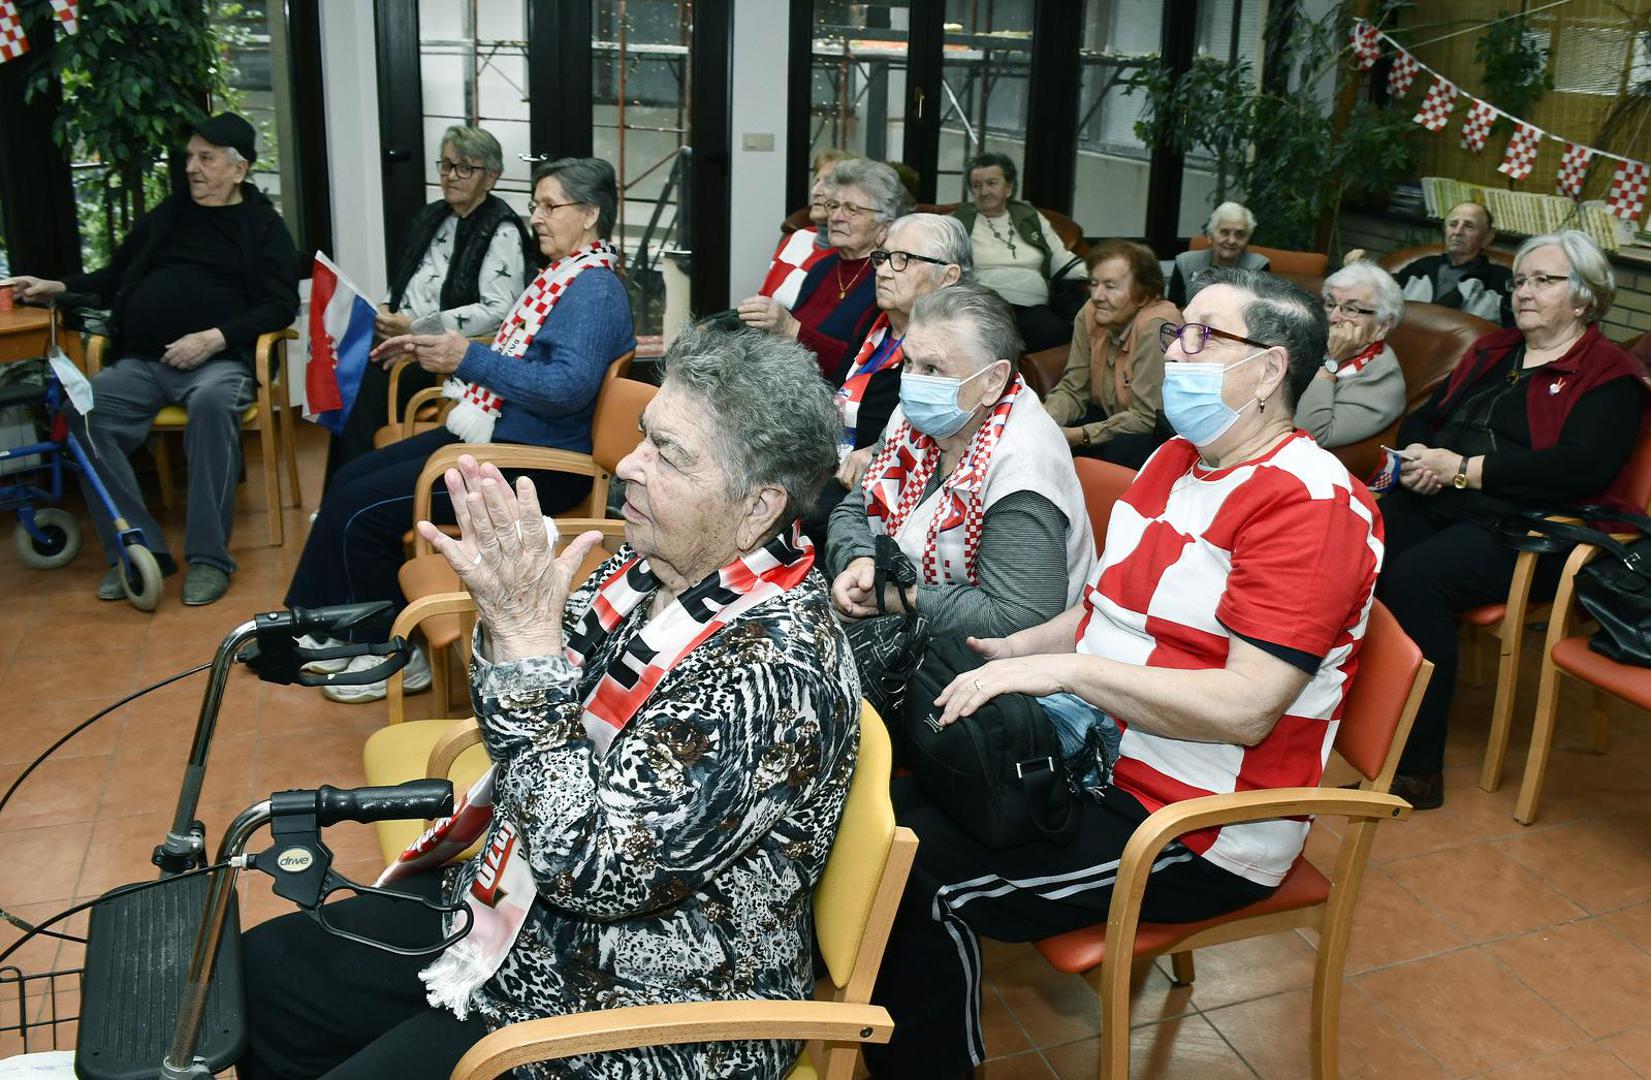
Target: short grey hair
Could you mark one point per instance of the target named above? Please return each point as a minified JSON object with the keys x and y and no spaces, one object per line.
{"x":1593,"y":285}
{"x":947,"y":239}
{"x":881,"y":184}
{"x":1389,"y":298}
{"x":1280,"y":313}
{"x":234,"y":156}
{"x":586,"y":180}
{"x":775,"y":419}
{"x":991,"y":333}
{"x":475,"y":144}
{"x":1230,"y":211}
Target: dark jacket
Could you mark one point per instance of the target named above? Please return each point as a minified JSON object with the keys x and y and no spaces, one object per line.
{"x":1023,"y":216}
{"x":474,"y":235}
{"x":1495,"y":279}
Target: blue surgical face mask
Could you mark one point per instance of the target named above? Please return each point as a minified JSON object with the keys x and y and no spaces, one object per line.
{"x":1192,"y":399}
{"x":930,"y":402}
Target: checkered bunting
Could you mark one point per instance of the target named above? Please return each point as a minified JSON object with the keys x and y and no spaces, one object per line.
{"x":68,"y":13}
{"x":1521,"y":152}
{"x":1573,"y":170}
{"x":12,"y":42}
{"x":1367,"y":47}
{"x":1476,"y":125}
{"x":1401,"y":74}
{"x":1628,"y":188}
{"x":1436,"y":107}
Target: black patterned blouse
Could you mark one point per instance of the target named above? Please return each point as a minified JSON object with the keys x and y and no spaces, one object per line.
{"x":681,"y":865}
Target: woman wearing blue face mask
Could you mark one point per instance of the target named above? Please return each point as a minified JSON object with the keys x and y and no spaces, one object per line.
{"x":972,"y":480}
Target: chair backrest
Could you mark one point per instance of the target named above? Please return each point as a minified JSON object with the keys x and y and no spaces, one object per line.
{"x":1070,"y":232}
{"x":1281,"y":261}
{"x":1394,"y":261}
{"x":1043,"y":369}
{"x":1103,"y":484}
{"x":1387,"y":690}
{"x":1638,"y":469}
{"x":613,"y":427}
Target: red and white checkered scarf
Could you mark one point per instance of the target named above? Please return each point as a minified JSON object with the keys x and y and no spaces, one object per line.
{"x":866,"y":364}
{"x":897,"y":477}
{"x":478,"y":407}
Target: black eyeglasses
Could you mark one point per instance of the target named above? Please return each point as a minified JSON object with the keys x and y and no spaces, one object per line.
{"x":458,"y":168}
{"x":1194,"y":336}
{"x":899,"y":260}
{"x":1347,"y":308}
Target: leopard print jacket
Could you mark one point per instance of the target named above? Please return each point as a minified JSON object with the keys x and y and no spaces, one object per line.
{"x":680,"y":866}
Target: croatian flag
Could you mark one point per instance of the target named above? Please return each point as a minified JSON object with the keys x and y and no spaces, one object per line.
{"x":341,"y":336}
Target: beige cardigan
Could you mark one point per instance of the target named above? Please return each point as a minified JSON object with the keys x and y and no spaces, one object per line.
{"x":1130,"y":393}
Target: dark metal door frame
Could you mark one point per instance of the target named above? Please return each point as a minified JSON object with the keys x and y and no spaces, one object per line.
{"x":400,"y":117}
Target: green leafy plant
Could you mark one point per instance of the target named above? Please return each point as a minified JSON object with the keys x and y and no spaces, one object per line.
{"x":1514,"y":67}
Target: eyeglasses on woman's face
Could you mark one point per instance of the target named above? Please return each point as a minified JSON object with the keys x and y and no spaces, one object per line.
{"x":849,"y":209}
{"x":547,"y":207}
{"x":1349,"y":308}
{"x":1535,"y":281}
{"x":1194,"y":336}
{"x":461,"y":169}
{"x":899,"y":260}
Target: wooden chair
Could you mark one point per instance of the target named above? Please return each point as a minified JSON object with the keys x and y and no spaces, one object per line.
{"x":614,"y":434}
{"x":273,"y":367}
{"x":428,"y":408}
{"x":1381,"y":705}
{"x":854,"y":908}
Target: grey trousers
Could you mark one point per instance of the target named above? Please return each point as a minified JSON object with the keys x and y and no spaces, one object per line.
{"x":126,"y":396}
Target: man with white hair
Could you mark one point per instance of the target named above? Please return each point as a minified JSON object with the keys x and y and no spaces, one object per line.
{"x":190,"y":289}
{"x":1461,"y":276}
{"x":1229,"y":230}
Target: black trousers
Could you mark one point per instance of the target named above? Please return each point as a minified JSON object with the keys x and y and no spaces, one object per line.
{"x":354,"y":548}
{"x":318,"y":1005}
{"x":1434,"y":569}
{"x":931,"y":976}
{"x":370,"y":412}
{"x":1131,"y":450}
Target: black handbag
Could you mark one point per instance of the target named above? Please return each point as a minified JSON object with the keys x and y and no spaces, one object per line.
{"x":999,"y":774}
{"x":1615,"y":588}
{"x":888,"y":647}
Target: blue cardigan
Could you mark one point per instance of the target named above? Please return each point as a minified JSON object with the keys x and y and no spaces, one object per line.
{"x":550,"y":392}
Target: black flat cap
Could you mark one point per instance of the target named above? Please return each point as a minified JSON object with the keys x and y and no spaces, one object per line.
{"x":228,"y":129}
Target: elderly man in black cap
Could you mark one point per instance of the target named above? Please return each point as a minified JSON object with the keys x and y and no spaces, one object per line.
{"x":191,"y":288}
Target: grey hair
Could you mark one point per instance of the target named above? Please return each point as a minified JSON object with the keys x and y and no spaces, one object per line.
{"x":234,"y":156}
{"x":880,"y":183}
{"x":991,"y":331}
{"x":586,"y":180}
{"x":1280,"y":313}
{"x":946,"y":237}
{"x":475,"y":144}
{"x":775,"y":419}
{"x":1389,"y":297}
{"x":1593,"y":285}
{"x":1230,"y":211}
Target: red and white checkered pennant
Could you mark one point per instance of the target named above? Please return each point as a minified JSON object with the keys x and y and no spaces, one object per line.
{"x":1521,"y":152}
{"x":68,"y":13}
{"x":1436,"y":107}
{"x":1476,"y":125}
{"x":12,"y":42}
{"x":1401,"y":74}
{"x":1628,"y":187}
{"x":1367,"y":45}
{"x":1573,"y":170}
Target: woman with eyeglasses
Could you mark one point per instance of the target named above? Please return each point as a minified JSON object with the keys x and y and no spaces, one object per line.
{"x":464,"y":260}
{"x":798,"y":251}
{"x":1360,"y":389}
{"x":1108,"y":397}
{"x":535,"y":384}
{"x":1533,"y":418}
{"x":837,"y":300}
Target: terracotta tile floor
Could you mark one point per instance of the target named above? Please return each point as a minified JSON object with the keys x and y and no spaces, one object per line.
{"x":1482,"y":947}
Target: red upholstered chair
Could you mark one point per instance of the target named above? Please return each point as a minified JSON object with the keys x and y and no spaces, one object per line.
{"x":1103,"y":484}
{"x":1042,"y":370}
{"x":1386,"y":692}
{"x":1298,"y":266}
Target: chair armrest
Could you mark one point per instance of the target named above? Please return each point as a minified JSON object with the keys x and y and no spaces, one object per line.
{"x":505,"y":456}
{"x":426,"y":606}
{"x":261,"y":353}
{"x":96,"y":346}
{"x":397,"y":366}
{"x":610,"y":528}
{"x":1559,"y":616}
{"x":460,"y":737}
{"x":558,"y":1037}
{"x":429,"y":395}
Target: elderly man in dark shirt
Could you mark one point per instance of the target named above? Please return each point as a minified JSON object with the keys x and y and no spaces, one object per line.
{"x":191,"y":288}
{"x":1462,"y":276}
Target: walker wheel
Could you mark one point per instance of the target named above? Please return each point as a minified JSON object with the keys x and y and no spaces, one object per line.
{"x":61,"y":543}
{"x":142,"y":579}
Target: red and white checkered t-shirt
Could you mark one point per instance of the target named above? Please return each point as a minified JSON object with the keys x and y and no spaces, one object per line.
{"x":1281,"y":550}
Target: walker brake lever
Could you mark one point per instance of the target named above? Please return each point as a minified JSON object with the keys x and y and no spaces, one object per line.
{"x":334,"y":883}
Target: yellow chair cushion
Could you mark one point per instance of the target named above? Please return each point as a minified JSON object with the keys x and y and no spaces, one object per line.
{"x":803,"y":1070}
{"x":401,"y":752}
{"x":176,"y":416}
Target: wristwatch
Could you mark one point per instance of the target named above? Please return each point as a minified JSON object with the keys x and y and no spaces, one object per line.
{"x":1460,"y":481}
{"x":1330,"y":365}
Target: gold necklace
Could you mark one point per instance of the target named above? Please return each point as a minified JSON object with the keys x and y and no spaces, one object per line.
{"x":842,"y":290}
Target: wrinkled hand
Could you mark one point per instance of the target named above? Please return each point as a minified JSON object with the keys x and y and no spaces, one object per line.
{"x":504,"y":557}
{"x":389,"y":324}
{"x":1348,"y":339}
{"x":853,"y":468}
{"x":1035,"y":675}
{"x":1074,"y":435}
{"x":34,"y":290}
{"x":193,"y":350}
{"x":766,"y":313}
{"x":439,"y":353}
{"x":851,"y":593}
{"x":1426,"y":470}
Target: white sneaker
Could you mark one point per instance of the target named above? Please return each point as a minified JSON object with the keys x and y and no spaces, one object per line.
{"x":323,"y":667}
{"x":415,"y":679}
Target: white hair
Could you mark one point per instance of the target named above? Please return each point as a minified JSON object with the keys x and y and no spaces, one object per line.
{"x":1229,"y":211}
{"x":1593,"y":285}
{"x":947,"y":237}
{"x":1388,"y":297}
{"x":233,"y":155}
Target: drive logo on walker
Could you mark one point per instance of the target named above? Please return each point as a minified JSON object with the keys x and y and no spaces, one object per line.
{"x":295,"y":860}
{"x":341,"y":336}
{"x":490,"y":874}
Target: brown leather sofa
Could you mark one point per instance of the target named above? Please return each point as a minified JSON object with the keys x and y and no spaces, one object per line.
{"x":1394,"y":261}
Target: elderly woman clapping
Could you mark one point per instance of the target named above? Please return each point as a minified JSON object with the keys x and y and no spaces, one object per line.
{"x":972,"y":480}
{"x":1360,"y":389}
{"x":672,"y":741}
{"x":1535,"y":417}
{"x":1228,"y":231}
{"x":838,"y":299}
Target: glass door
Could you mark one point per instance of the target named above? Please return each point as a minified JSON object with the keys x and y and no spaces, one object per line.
{"x":985,"y":65}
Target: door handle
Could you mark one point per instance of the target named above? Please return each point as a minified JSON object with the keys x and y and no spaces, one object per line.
{"x":919,"y":92}
{"x":398,"y":155}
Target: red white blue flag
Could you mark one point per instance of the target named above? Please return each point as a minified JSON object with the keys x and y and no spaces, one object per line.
{"x":341,"y":336}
